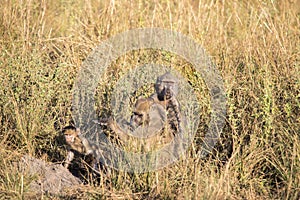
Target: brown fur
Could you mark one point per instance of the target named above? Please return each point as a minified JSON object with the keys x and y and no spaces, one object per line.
{"x":75,"y":142}
{"x":140,"y":115}
{"x":140,"y":118}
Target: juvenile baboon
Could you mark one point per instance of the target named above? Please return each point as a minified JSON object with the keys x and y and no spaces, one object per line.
{"x":140,"y":115}
{"x":166,"y":90}
{"x":146,"y":124}
{"x":140,"y":118}
{"x":76,"y":142}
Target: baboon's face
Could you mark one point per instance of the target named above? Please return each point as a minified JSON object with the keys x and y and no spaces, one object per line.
{"x":166,"y":86}
{"x":166,"y":89}
{"x":73,"y":141}
{"x":70,"y":135}
{"x":140,"y":114}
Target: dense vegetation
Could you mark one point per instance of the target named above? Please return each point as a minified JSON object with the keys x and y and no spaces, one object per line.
{"x":255,"y":45}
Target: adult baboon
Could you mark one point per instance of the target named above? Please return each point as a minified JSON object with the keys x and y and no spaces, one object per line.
{"x":166,"y":90}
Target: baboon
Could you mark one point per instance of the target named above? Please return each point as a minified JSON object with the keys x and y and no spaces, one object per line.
{"x":140,"y":115}
{"x":166,"y":90}
{"x":146,"y":120}
{"x":151,"y":115}
{"x":76,"y":142}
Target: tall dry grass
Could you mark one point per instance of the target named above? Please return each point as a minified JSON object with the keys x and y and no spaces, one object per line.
{"x":255,"y":45}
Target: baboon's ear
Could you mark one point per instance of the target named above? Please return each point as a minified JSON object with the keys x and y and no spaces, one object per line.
{"x":78,"y":131}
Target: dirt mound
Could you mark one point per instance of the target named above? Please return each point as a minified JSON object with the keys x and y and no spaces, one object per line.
{"x":51,"y":178}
